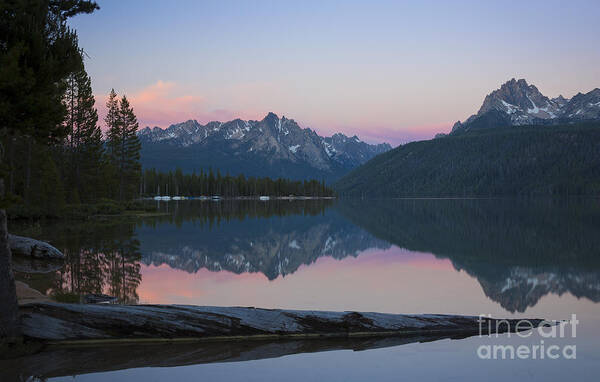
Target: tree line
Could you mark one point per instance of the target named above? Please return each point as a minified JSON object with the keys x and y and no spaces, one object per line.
{"x":54,"y":151}
{"x":210,"y":183}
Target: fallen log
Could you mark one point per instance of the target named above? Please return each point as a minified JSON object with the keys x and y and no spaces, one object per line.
{"x":56,"y":322}
{"x":25,"y":246}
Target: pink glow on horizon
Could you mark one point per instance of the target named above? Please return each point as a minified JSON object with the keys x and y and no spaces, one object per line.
{"x":164,"y":103}
{"x":376,"y":280}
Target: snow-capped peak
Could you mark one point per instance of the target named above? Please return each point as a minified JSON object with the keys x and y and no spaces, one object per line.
{"x":518,"y":103}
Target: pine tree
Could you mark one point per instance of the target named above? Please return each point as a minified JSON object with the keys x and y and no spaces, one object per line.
{"x":112,"y":123}
{"x":84,"y":140}
{"x":124,"y":145}
{"x":38,"y":51}
{"x":91,"y":147}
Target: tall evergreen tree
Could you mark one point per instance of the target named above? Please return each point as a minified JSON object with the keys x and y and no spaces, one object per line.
{"x":84,"y":140}
{"x":124,"y":145}
{"x":112,"y":123}
{"x":37,"y":52}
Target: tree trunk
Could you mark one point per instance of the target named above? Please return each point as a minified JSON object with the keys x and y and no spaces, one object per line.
{"x":28,"y":171}
{"x":12,"y":141}
{"x":9,"y":326}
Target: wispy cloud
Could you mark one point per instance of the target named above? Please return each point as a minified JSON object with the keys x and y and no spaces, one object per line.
{"x":164,"y":103}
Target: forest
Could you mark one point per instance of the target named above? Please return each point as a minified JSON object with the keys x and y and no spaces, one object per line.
{"x":512,"y":161}
{"x":54,"y":150}
{"x":209,"y":183}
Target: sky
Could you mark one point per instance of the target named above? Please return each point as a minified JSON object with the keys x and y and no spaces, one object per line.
{"x":393,"y":71}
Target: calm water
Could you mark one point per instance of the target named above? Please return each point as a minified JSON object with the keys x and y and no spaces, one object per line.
{"x":508,"y":258}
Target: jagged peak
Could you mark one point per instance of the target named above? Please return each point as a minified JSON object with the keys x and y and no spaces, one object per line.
{"x":519,"y":85}
{"x":518,"y":103}
{"x":271,"y":115}
{"x":595,"y":92}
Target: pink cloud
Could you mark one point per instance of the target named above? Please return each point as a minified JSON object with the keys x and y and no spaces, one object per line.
{"x":164,"y":103}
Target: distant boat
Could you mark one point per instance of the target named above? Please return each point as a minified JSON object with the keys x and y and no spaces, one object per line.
{"x":162,"y":198}
{"x":264,"y":198}
{"x":216,"y":197}
{"x":178,"y":198}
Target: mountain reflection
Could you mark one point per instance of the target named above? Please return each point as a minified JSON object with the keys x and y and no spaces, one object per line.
{"x":518,"y":250}
{"x":273,"y":238}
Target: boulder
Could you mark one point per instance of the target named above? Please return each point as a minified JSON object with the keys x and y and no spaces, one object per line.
{"x":25,"y":246}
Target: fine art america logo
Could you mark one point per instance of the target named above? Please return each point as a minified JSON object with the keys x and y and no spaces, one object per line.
{"x":524,"y":329}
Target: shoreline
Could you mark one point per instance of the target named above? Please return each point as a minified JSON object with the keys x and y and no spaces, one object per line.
{"x":218,"y":198}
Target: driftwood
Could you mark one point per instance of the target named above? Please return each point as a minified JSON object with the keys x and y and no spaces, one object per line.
{"x":25,"y":246}
{"x":57,"y":322}
{"x":79,"y":339}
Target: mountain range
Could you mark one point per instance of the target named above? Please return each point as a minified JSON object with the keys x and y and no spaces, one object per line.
{"x":274,"y":147}
{"x":520,"y":142}
{"x":518,"y":103}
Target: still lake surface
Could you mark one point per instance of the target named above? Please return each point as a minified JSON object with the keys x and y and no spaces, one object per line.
{"x":532,"y":258}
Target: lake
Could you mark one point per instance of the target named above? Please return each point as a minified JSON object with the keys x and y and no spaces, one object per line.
{"x":530,"y":258}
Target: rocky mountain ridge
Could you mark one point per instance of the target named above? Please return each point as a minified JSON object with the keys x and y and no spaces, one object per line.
{"x":271,"y":147}
{"x":517,"y":103}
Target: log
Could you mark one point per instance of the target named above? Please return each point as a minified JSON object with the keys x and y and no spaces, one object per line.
{"x":56,"y":322}
{"x":25,"y":246}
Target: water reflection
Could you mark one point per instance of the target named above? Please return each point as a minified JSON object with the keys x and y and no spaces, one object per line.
{"x":517,"y":250}
{"x":273,"y":238}
{"x":77,"y":360}
{"x":101,"y":258}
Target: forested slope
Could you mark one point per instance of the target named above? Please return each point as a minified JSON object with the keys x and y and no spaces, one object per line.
{"x":524,"y":160}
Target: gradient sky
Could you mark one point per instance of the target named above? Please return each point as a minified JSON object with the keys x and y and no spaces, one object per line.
{"x":393,"y":71}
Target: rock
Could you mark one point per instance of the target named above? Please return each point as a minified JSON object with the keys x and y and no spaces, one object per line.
{"x":28,"y":264}
{"x":60,"y":322}
{"x":25,"y":246}
{"x":26,"y":295}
